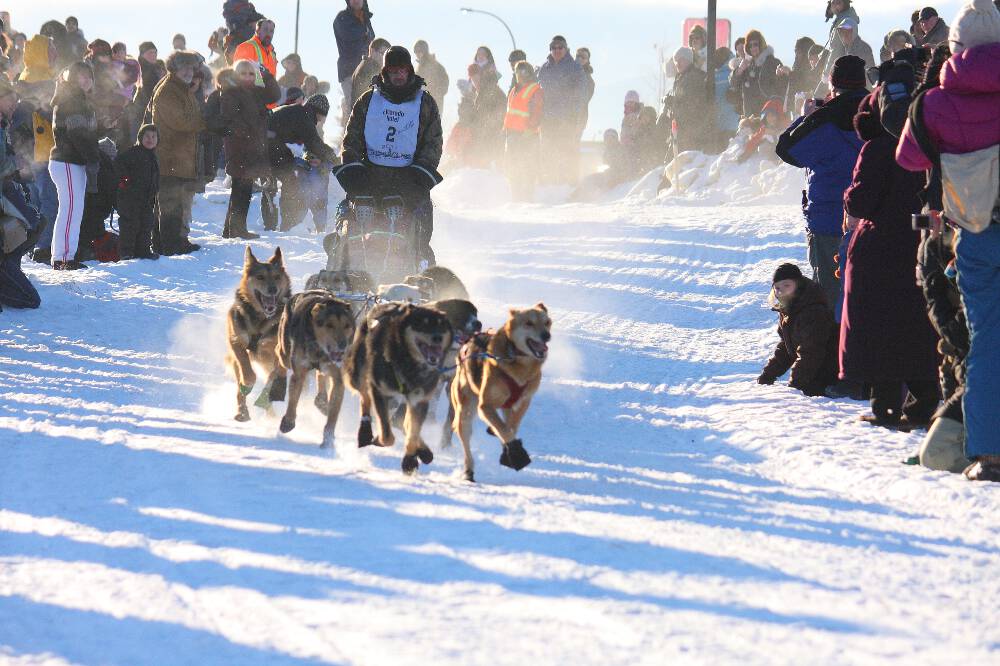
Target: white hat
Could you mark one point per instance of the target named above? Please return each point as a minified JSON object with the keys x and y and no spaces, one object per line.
{"x":684,"y":54}
{"x":978,"y":22}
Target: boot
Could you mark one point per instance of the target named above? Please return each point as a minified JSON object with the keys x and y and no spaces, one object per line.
{"x":943,"y":447}
{"x":986,"y":468}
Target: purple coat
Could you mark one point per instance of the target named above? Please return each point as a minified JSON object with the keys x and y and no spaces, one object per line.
{"x":885,"y":334}
{"x":961,"y":114}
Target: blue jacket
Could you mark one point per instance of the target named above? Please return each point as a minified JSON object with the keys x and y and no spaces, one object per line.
{"x":825,"y":144}
{"x":727,"y":119}
{"x":565,"y":91}
{"x":353,"y":38}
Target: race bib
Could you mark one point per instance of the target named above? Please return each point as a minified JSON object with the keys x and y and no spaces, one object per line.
{"x":391,"y":130}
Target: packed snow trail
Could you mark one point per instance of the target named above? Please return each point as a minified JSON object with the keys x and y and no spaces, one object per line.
{"x":674,"y":511}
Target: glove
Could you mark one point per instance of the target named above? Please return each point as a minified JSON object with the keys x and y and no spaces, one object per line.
{"x":423,"y":176}
{"x":766,"y":379}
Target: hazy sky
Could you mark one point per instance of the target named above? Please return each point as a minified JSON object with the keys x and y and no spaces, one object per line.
{"x":620,"y":33}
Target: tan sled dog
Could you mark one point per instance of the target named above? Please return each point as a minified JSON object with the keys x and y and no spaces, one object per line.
{"x":501,"y":372}
{"x":252,"y":328}
{"x":315,"y":330}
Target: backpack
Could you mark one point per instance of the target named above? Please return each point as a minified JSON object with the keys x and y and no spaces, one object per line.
{"x":968,"y":183}
{"x":106,"y":247}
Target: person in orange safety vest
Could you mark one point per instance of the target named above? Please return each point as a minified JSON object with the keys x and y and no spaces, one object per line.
{"x":524,"y":115}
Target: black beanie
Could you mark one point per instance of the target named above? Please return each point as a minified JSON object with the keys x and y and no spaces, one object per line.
{"x":320,"y":104}
{"x":786,"y":272}
{"x":146,"y":46}
{"x":397,"y":56}
{"x":849,"y":73}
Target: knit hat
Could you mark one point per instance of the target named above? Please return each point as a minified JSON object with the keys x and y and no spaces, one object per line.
{"x":397,"y":56}
{"x":292,"y":57}
{"x":848,"y":73}
{"x":926,"y":13}
{"x":632,"y":96}
{"x":684,"y":54}
{"x":786,"y":272}
{"x":978,"y":22}
{"x":320,"y":104}
{"x":558,"y":39}
{"x":147,"y":46}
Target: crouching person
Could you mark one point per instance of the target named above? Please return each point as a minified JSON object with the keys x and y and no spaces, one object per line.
{"x":138,"y":183}
{"x":808,"y":332}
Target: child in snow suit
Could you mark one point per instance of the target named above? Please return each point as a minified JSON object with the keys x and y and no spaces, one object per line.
{"x":138,"y":182}
{"x":808,"y":332}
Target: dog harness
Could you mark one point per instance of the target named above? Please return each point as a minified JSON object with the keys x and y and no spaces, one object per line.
{"x":515,"y":389}
{"x":391,"y":130}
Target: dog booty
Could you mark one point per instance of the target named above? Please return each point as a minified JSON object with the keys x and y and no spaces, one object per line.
{"x":278,"y":389}
{"x":365,"y":435}
{"x":514,"y":455}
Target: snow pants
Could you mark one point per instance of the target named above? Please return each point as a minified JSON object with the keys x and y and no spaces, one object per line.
{"x":47,"y":199}
{"x":978,"y":262}
{"x":822,"y":250}
{"x":15,"y":289}
{"x":71,"y":187}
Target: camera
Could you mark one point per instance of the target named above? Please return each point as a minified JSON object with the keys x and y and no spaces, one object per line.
{"x":925,"y":222}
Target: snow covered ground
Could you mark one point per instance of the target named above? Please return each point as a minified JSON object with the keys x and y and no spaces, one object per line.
{"x":675,"y":512}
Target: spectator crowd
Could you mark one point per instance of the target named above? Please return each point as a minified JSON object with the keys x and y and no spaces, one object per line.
{"x":900,"y":153}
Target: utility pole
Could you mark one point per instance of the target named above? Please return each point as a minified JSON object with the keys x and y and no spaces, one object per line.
{"x":710,"y":52}
{"x":298,"y":4}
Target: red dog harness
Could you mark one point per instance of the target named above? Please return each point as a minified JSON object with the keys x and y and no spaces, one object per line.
{"x":515,"y":389}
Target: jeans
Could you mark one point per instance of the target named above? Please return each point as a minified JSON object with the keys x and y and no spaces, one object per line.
{"x":822,"y":250}
{"x":47,"y":200}
{"x":15,"y":289}
{"x":978,"y":262}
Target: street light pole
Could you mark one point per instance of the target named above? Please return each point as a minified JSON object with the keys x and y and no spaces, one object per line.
{"x":466,"y":10}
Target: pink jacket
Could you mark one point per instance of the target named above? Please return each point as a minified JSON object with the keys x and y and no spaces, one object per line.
{"x":962,"y":114}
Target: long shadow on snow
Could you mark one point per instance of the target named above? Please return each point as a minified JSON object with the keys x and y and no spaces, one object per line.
{"x":377,"y":539}
{"x":79,"y":636}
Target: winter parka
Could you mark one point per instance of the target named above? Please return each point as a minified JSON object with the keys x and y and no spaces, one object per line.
{"x":74,"y":127}
{"x":177,"y":116}
{"x":960,"y":115}
{"x":565,"y":91}
{"x":138,"y":174}
{"x":430,"y":139}
{"x":808,"y":343}
{"x":885,"y":335}
{"x":244,"y":112}
{"x":353,"y":37}
{"x":758,"y":82}
{"x":826,"y":145}
{"x":436,"y":76}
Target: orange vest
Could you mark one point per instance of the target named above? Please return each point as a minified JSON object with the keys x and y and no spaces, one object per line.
{"x":519,"y":108}
{"x":253,"y":51}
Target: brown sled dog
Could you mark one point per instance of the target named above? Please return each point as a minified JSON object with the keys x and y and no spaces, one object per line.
{"x":500,"y":372}
{"x":398,"y":353}
{"x":315,"y":330}
{"x":252,"y":328}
